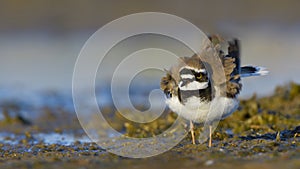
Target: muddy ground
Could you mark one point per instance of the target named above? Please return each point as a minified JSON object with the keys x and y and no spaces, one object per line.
{"x":264,"y":133}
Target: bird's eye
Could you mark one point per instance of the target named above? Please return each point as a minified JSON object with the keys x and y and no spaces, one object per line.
{"x":199,"y":76}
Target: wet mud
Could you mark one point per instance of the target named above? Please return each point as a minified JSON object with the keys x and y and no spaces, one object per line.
{"x":264,"y":133}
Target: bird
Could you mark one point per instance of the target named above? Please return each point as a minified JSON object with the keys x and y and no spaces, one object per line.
{"x":190,"y":85}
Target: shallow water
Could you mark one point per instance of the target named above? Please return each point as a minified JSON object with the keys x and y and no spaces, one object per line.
{"x":65,"y":139}
{"x":31,"y":67}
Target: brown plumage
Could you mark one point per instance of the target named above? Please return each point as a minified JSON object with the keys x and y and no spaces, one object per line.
{"x":168,"y":84}
{"x":230,"y":62}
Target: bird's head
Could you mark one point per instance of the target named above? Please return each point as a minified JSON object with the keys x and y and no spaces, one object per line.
{"x":193,"y":78}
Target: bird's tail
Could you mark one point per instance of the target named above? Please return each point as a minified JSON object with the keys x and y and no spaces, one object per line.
{"x":247,"y":71}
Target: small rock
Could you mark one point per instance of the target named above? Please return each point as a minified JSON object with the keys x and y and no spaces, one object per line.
{"x":209,"y":162}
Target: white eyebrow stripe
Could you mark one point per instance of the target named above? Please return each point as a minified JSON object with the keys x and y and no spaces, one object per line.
{"x":193,"y":86}
{"x":196,"y":70}
{"x":200,"y":70}
{"x":187,"y":76}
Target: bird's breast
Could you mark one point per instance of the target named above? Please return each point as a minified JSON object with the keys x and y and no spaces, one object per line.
{"x":199,"y":111}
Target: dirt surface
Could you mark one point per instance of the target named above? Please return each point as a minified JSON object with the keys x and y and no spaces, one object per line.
{"x":264,"y":133}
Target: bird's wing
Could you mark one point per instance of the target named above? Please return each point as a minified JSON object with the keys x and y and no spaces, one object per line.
{"x":232,"y":68}
{"x":230,"y":62}
{"x":168,"y":84}
{"x":234,"y":53}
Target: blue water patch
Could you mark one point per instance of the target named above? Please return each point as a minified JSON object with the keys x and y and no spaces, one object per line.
{"x":65,"y":139}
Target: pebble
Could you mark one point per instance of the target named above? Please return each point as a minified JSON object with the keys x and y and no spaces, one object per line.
{"x":209,"y":162}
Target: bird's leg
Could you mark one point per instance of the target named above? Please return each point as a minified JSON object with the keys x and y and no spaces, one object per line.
{"x":192,"y":131}
{"x":210,"y":138}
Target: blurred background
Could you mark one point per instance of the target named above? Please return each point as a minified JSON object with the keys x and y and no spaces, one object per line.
{"x":40,"y":40}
